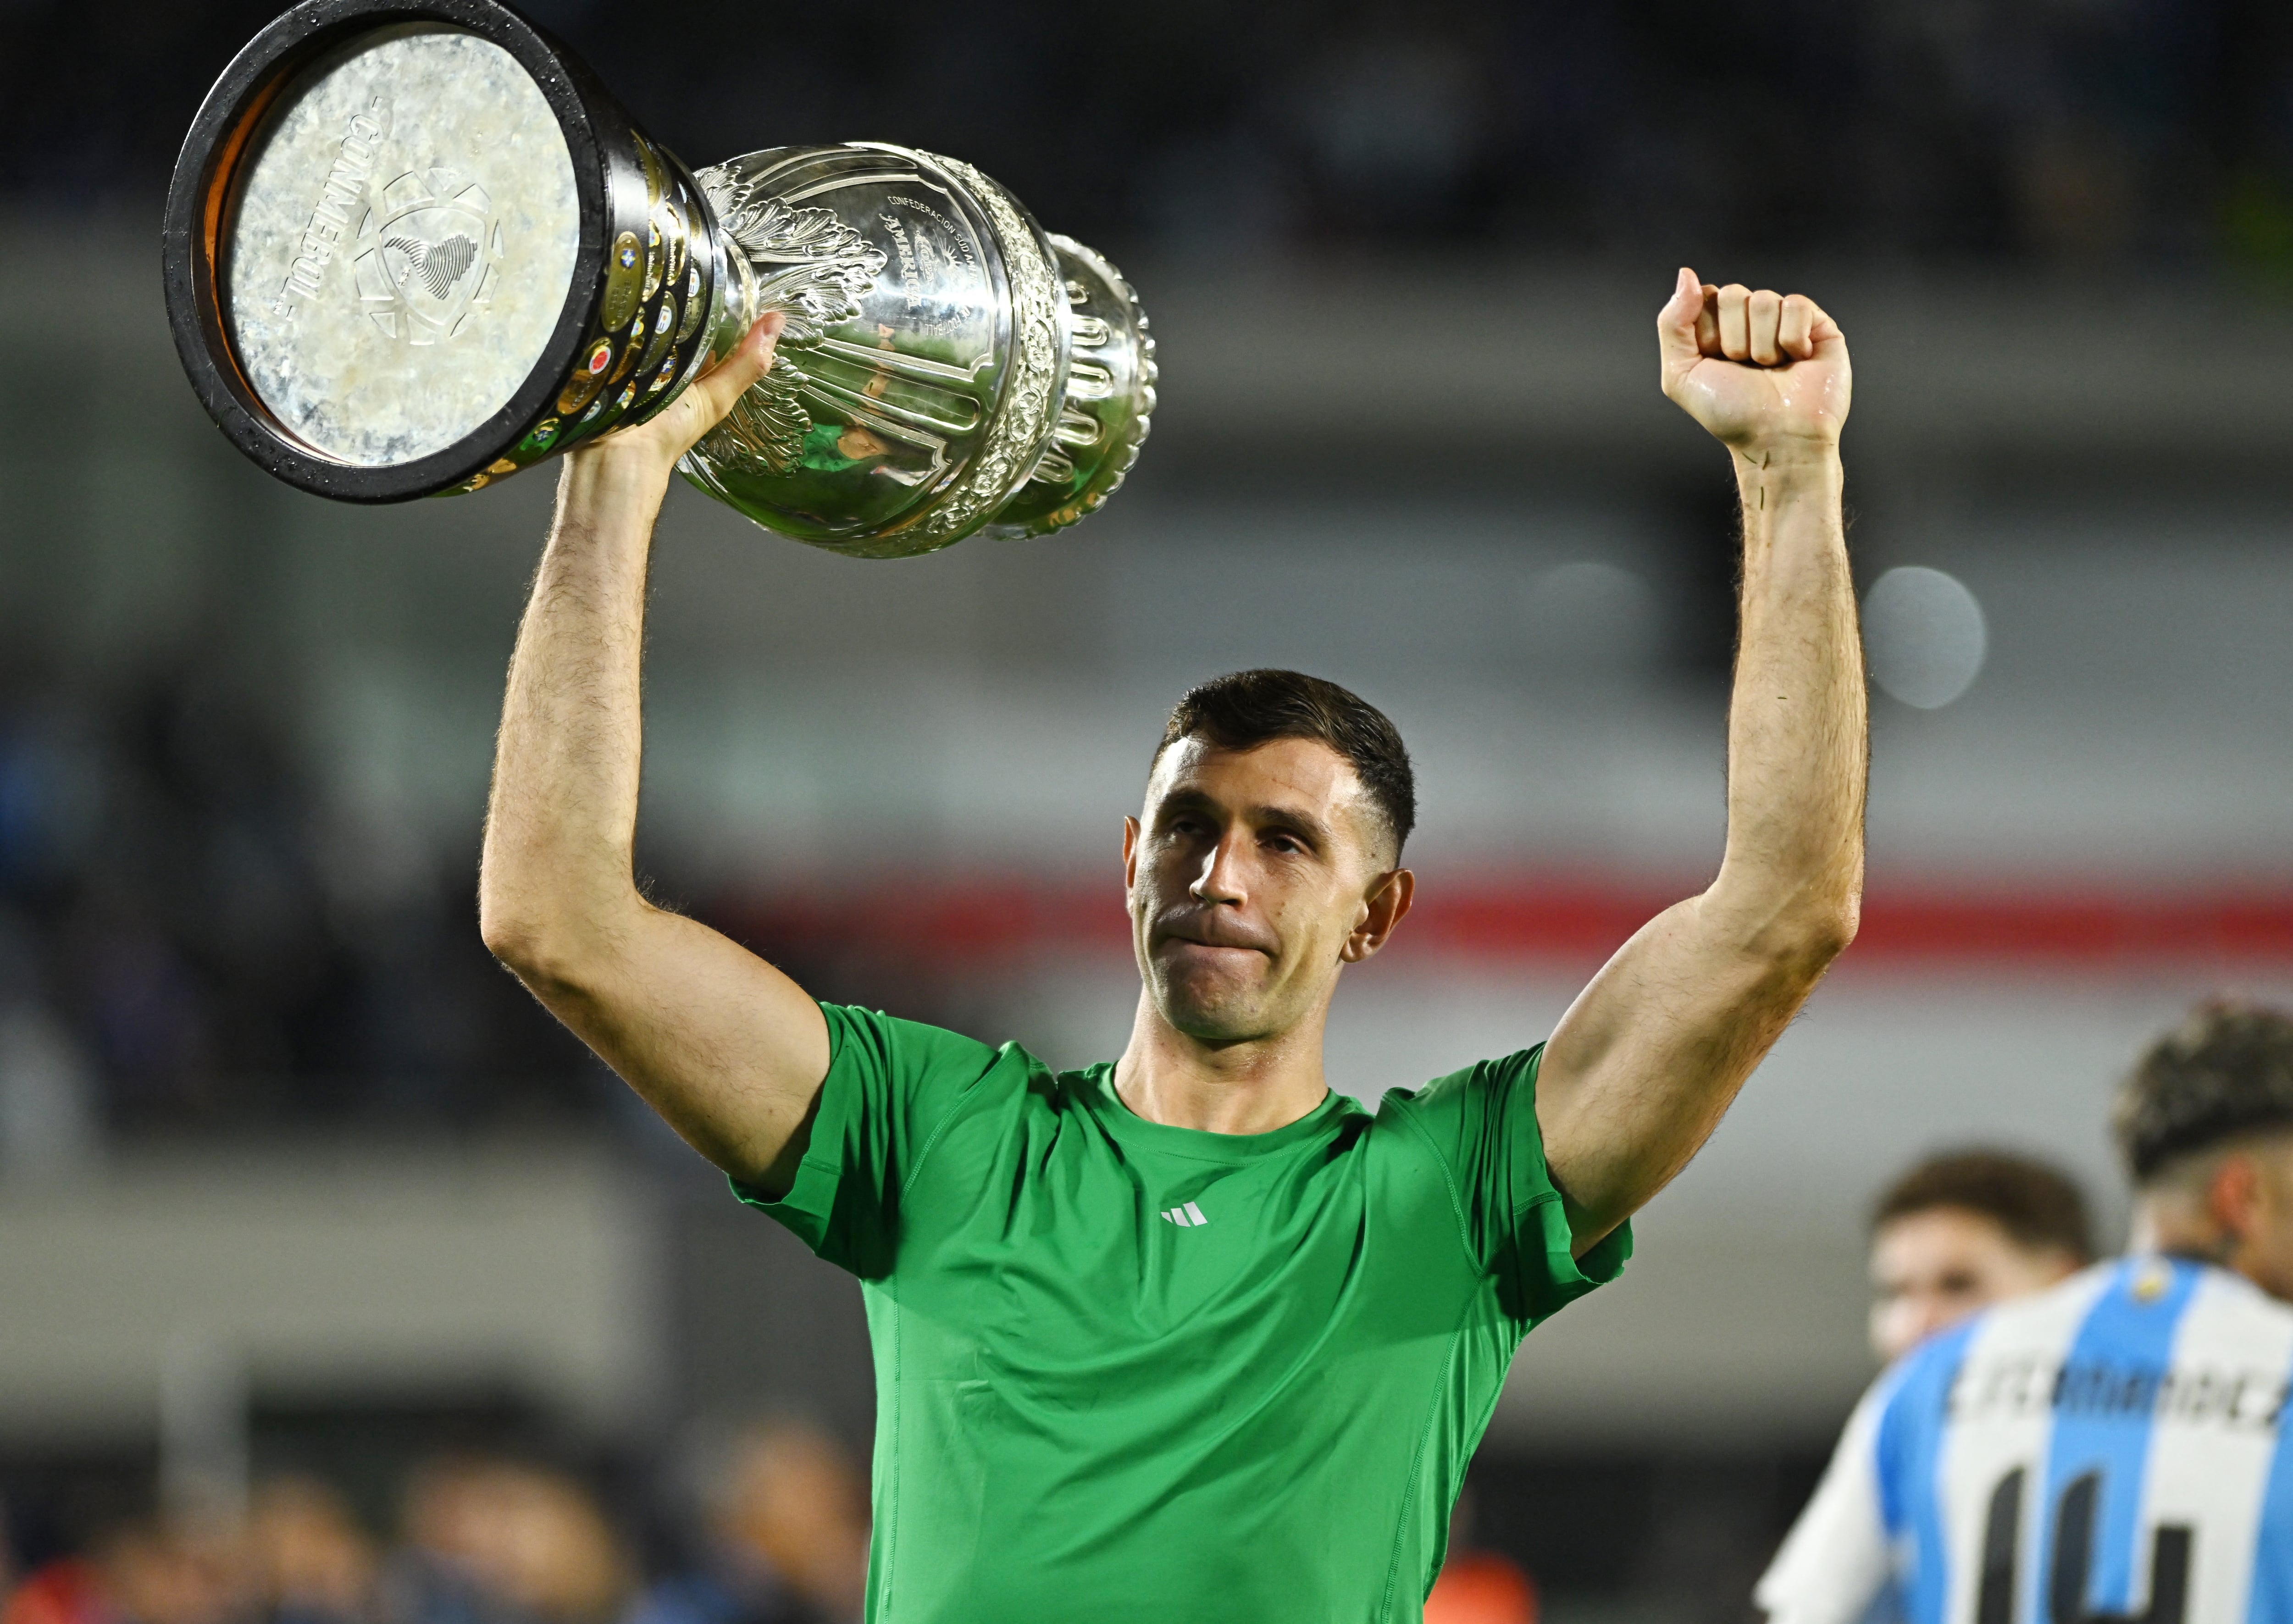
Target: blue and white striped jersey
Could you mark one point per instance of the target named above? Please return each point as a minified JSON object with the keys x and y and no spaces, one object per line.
{"x":2106,"y":1452}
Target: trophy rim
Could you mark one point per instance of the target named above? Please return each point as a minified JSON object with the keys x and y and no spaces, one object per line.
{"x":236,"y":107}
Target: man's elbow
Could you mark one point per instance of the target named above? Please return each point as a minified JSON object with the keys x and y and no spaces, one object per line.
{"x":1786,"y":936}
{"x":1809,"y":937}
{"x":516,"y":939}
{"x":535,"y":943}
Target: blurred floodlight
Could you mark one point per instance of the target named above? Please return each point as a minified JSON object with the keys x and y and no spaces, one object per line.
{"x":1592,"y":617}
{"x":1925,"y":636}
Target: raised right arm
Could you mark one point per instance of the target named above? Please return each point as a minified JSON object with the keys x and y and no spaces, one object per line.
{"x":727,"y":1049}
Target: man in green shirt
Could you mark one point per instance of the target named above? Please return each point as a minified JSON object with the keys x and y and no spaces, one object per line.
{"x":1188,"y":1338}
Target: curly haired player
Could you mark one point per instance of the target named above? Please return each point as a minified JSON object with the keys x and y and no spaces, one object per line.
{"x":2112,"y":1449}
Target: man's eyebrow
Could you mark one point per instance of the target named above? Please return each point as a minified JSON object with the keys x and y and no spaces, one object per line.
{"x":1186,"y":799}
{"x":1290,"y":817}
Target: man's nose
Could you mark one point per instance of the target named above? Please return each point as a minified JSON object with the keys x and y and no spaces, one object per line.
{"x":1221,"y":879}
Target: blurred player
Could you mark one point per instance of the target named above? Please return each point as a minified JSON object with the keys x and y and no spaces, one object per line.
{"x":1186,"y":1338}
{"x":1955,"y":1234}
{"x":2111,"y":1449}
{"x":1962,"y":1230}
{"x":785,"y":1526}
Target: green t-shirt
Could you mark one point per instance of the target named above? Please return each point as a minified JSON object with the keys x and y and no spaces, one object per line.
{"x":1132,"y":1374}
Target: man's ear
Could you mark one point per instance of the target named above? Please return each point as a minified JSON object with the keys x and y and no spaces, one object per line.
{"x":1130,"y":852}
{"x":1387,"y":906}
{"x":2233,"y":1199}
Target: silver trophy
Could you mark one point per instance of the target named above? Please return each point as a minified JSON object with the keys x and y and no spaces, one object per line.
{"x":413,"y":246}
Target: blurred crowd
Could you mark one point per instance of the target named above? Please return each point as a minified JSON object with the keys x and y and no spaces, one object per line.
{"x":2157,"y":131}
{"x":188,"y":938}
{"x":768,"y":1522}
{"x":772,"y":1530}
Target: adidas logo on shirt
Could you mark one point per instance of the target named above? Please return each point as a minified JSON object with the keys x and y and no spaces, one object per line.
{"x":1186,"y":1217}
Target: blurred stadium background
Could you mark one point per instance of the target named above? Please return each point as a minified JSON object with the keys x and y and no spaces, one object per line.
{"x":292,"y":1179}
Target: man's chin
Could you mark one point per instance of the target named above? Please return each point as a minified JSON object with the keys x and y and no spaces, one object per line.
{"x":1211,"y":1014}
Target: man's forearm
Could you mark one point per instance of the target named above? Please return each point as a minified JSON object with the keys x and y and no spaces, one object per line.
{"x":729,"y":1050}
{"x":1640,"y":1068}
{"x":1797,"y":751}
{"x":562,"y":818}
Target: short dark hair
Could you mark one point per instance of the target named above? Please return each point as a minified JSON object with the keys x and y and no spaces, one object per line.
{"x":2225,"y":1070}
{"x":2040,"y":1206}
{"x":1243,"y":709}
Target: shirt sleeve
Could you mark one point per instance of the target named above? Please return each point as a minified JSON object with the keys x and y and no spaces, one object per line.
{"x":1835,"y":1566}
{"x":892,"y":1087}
{"x":1483,"y":1125}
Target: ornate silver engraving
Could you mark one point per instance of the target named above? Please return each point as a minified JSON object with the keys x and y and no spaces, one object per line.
{"x":428,"y":253}
{"x":1017,"y":433}
{"x":1105,"y":410}
{"x":814,"y":269}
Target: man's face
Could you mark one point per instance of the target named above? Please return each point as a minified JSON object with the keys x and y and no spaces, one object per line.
{"x":1253,"y":876}
{"x":1932,"y":1269}
{"x":2253,"y":1197}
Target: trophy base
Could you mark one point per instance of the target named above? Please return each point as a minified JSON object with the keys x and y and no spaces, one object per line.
{"x":1108,"y":407}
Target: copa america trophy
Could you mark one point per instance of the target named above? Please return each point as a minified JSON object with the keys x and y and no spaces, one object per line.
{"x":413,"y":245}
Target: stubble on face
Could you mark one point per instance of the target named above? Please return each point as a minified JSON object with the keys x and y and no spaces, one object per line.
{"x":1247,"y":874}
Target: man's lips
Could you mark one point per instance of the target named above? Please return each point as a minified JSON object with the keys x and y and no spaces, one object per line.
{"x":1193,"y":934}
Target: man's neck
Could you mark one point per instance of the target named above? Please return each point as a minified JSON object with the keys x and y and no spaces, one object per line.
{"x":2176,"y":1230}
{"x":1252,"y":1086}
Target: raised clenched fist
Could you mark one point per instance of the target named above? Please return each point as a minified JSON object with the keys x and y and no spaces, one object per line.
{"x":1762,"y":371}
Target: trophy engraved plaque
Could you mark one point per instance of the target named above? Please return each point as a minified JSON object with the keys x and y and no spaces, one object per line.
{"x":413,"y":246}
